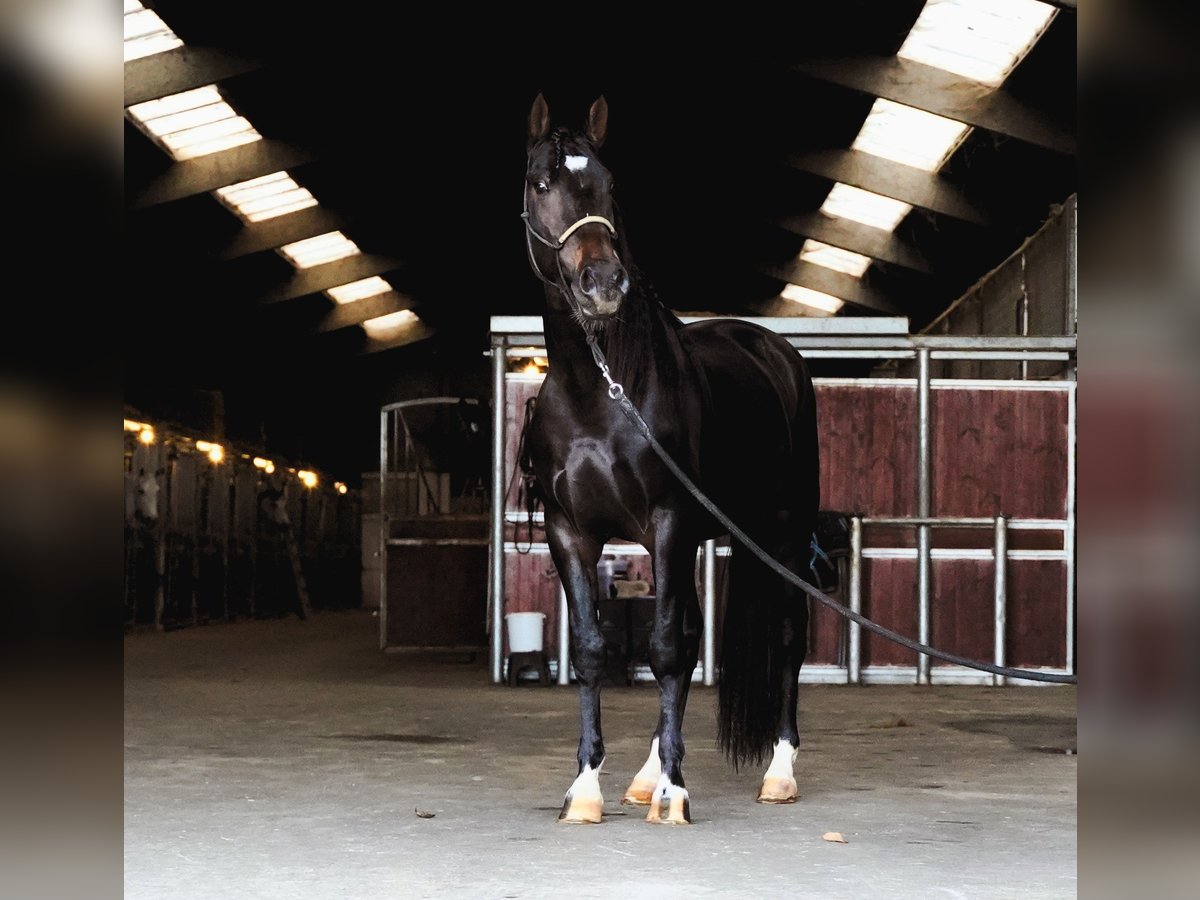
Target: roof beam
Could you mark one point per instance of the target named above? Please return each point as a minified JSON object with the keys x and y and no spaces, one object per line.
{"x":181,"y":69}
{"x":319,"y":278}
{"x":417,"y":331}
{"x":207,"y":173}
{"x":873,"y":242}
{"x":942,"y":93}
{"x":259,"y":236}
{"x":892,"y":179}
{"x":345,"y":315}
{"x":837,"y":284}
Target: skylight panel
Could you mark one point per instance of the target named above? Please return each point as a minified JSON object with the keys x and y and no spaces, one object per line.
{"x":265,"y":198}
{"x":909,"y":136}
{"x":358,"y":290}
{"x":193,"y":123}
{"x":389,"y":326}
{"x":865,"y":207}
{"x":834,"y":258}
{"x":146,"y":33}
{"x":812,"y":299}
{"x":314,"y":251}
{"x":979,"y":39}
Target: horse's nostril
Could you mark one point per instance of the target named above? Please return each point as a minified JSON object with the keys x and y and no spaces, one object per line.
{"x":587,"y":280}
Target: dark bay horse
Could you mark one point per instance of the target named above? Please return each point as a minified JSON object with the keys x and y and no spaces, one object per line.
{"x":733,"y":404}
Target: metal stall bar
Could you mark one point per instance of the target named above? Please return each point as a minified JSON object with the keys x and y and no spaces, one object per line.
{"x":854,"y":652}
{"x":384,"y":530}
{"x":496,"y":552}
{"x":709,"y":584}
{"x":1069,"y":531}
{"x":564,"y":637}
{"x":1000,"y":556}
{"x":924,"y":503}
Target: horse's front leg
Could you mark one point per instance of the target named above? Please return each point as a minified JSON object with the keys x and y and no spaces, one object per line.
{"x":576,"y":557}
{"x":674,"y":647}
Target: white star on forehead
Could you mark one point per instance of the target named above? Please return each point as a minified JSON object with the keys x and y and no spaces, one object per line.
{"x":576,"y":163}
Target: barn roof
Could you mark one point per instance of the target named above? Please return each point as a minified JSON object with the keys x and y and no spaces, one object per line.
{"x":294,"y":176}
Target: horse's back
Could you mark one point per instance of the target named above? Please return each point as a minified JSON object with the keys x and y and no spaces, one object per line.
{"x":760,"y":415}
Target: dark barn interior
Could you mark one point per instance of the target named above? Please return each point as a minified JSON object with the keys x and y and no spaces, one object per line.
{"x":278,"y":751}
{"x":724,"y":145}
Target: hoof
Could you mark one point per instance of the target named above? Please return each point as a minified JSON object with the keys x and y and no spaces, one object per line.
{"x":778,"y":790}
{"x":582,"y":811}
{"x":639,"y":793}
{"x":679,"y":812}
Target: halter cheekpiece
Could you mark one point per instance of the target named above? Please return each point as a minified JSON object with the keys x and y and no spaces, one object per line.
{"x":556,"y":246}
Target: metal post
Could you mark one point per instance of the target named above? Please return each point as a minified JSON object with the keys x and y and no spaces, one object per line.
{"x":1072,"y":327}
{"x":709,"y":584}
{"x":924,"y":509}
{"x":496,"y":558}
{"x":1069,"y":530}
{"x":1000,"y":557}
{"x":162,"y":532}
{"x":854,"y":653}
{"x":384,"y":529}
{"x":564,"y":637}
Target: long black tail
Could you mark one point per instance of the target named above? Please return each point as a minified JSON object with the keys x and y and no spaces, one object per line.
{"x":753,"y":657}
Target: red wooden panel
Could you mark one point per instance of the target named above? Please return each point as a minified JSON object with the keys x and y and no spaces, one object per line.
{"x":999,"y":451}
{"x":889,"y":598}
{"x":437,"y":596}
{"x":868,"y":448}
{"x":962,"y":608}
{"x":826,"y":630}
{"x":1037,"y":613}
{"x":995,"y":450}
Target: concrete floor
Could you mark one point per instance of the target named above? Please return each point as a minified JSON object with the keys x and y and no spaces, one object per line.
{"x":286,"y":759}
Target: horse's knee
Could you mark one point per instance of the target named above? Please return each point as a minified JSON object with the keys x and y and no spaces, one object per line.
{"x":587,"y":655}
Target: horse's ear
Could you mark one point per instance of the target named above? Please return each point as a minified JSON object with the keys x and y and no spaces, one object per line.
{"x":597,"y":123}
{"x":539,"y":120}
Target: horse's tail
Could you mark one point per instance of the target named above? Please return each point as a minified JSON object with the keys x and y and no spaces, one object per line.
{"x":766,"y":620}
{"x":753,"y":661}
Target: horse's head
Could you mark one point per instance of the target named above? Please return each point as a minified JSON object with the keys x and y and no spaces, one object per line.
{"x":146,"y":495}
{"x":569,"y":214}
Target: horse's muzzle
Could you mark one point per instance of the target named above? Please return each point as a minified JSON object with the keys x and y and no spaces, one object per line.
{"x":603,"y":284}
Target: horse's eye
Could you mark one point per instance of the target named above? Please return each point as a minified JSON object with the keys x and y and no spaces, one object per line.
{"x":541,"y":187}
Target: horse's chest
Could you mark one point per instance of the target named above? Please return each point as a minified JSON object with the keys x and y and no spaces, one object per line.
{"x":592,"y":479}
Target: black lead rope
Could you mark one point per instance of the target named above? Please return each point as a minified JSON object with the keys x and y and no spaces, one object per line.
{"x":616,"y":392}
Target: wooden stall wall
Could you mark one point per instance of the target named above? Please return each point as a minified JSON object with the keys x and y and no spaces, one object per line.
{"x":999,"y":448}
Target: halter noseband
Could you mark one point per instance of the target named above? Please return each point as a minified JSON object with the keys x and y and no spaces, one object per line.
{"x":556,"y":246}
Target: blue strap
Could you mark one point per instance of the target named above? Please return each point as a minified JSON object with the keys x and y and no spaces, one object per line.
{"x":818,"y":552}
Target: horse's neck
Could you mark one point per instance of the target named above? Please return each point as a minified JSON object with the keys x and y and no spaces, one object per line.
{"x":571,"y":359}
{"x":567,"y":349}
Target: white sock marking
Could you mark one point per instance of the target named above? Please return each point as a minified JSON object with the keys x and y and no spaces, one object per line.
{"x":652,"y":767}
{"x":576,"y":163}
{"x":782,"y":761}
{"x":668,"y":791}
{"x":588,"y":782}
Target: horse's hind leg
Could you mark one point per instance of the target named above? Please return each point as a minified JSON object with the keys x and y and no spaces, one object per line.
{"x":641,"y":790}
{"x":779,"y":782}
{"x":674,"y":648}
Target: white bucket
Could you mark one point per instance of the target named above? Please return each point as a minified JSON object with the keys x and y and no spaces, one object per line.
{"x":525,"y":631}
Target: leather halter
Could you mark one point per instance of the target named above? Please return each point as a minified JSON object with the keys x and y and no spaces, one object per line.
{"x":557,"y":246}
